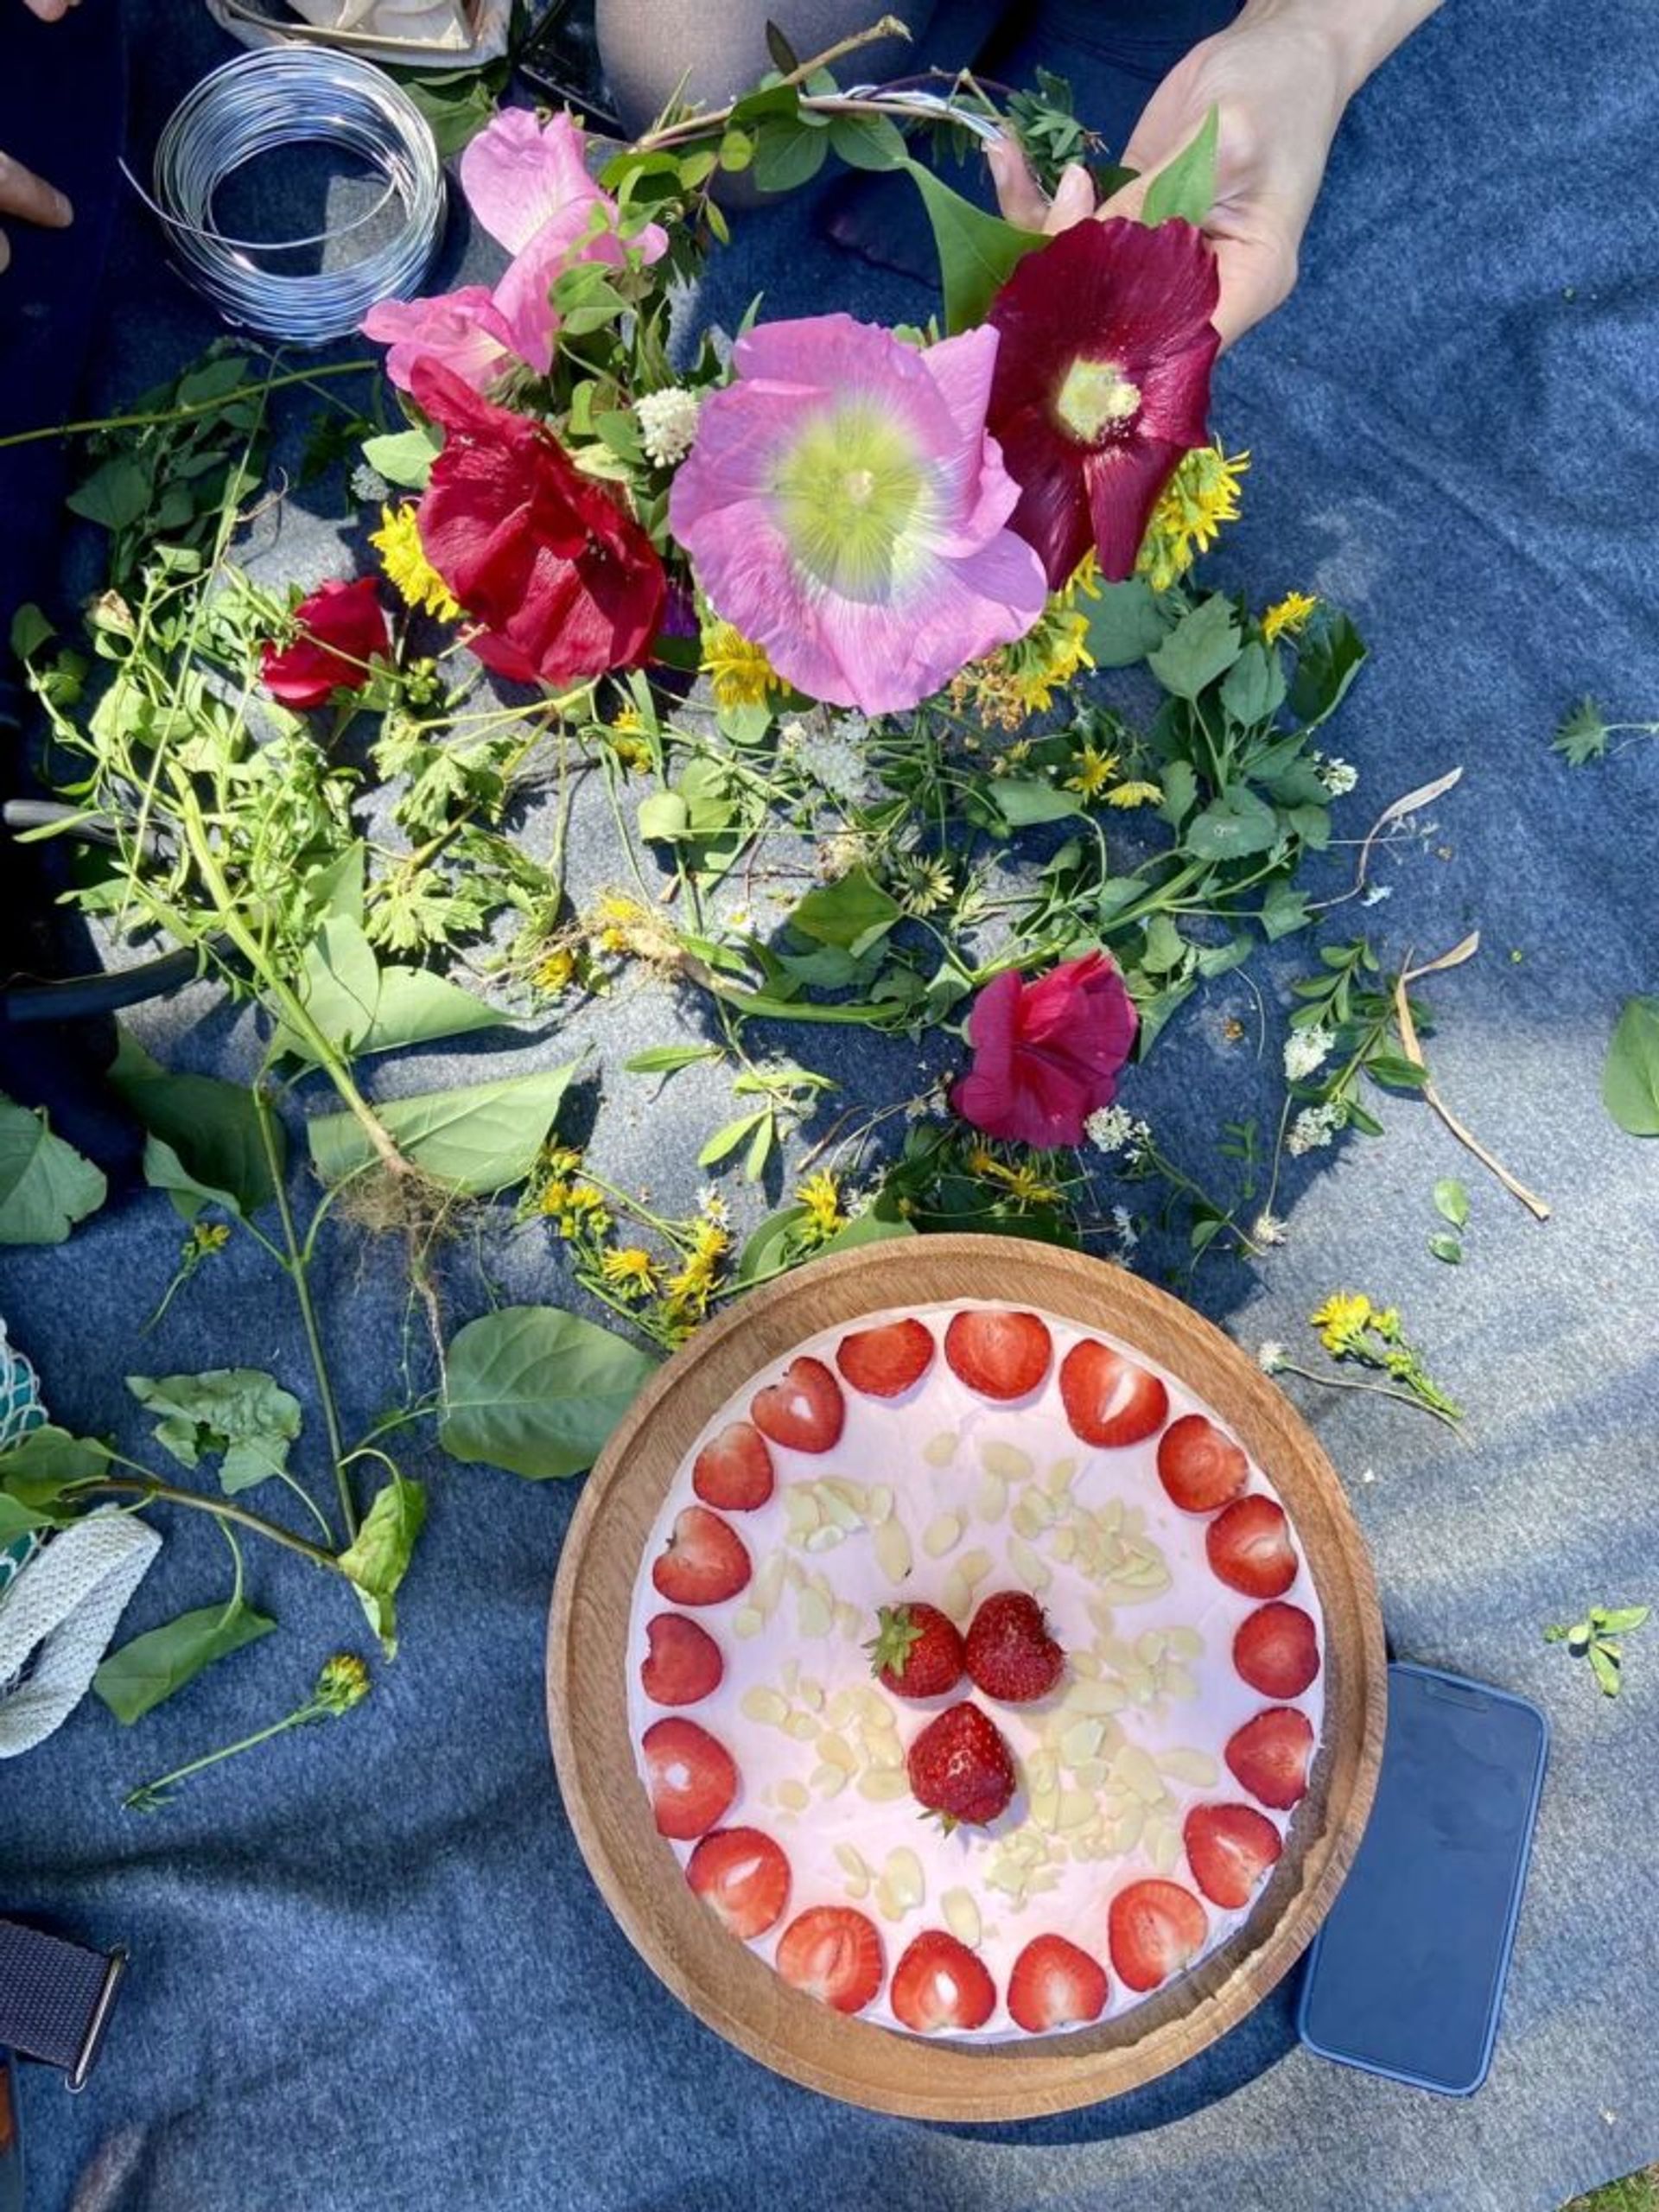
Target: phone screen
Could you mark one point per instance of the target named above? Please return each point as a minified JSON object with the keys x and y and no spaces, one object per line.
{"x":1408,"y":1974}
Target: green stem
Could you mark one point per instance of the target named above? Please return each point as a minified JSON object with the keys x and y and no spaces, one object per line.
{"x":1377,"y":1390}
{"x":152,"y":1490}
{"x":295,"y":1267}
{"x":193,"y":407}
{"x":148,"y":1798}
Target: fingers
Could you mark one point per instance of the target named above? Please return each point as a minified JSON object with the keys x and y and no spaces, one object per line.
{"x":50,"y":12}
{"x":1018,"y":192}
{"x":31,"y":198}
{"x":1074,"y":198}
{"x":1257,"y":276}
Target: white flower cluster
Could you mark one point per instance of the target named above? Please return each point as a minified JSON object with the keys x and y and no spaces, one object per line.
{"x":1338,"y":777}
{"x":1314,"y":1128}
{"x":712,"y":1206}
{"x":668,"y":424}
{"x":1124,"y":1230}
{"x":1113,"y":1128}
{"x":1268,"y":1229}
{"x":368,"y":484}
{"x":1306,"y":1050}
{"x":1271,"y":1357}
{"x":831,"y":753}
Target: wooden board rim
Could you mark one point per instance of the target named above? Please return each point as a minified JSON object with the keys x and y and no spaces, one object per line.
{"x":734,"y":1990}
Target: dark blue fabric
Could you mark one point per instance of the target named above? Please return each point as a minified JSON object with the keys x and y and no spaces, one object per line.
{"x":370,"y":1969}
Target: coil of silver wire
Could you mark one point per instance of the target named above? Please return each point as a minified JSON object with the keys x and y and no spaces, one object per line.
{"x":275,"y":98}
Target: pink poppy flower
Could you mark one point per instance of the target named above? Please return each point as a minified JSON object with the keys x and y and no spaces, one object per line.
{"x":528,"y":185}
{"x":1103,"y":383}
{"x":843,"y":508}
{"x":341,"y":628}
{"x":1046,"y":1054}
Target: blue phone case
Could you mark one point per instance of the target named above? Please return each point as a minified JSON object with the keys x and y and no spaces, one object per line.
{"x":1311,"y":1981}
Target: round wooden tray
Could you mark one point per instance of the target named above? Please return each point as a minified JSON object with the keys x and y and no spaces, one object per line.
{"x":730,"y":1987}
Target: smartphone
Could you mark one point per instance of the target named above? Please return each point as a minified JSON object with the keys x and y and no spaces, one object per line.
{"x":1406,"y":1976}
{"x":560,"y":58}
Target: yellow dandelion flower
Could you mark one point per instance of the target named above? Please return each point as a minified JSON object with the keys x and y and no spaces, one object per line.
{"x":629,"y":1269}
{"x":408,"y":572}
{"x":1341,"y":1318}
{"x":558,"y":971}
{"x":621,"y":926}
{"x":737,"y":669}
{"x":822,"y":1198}
{"x":1135,"y":794}
{"x":1287,"y":618}
{"x":981,"y":1162}
{"x":1198,"y":499}
{"x":1095,"y":771}
{"x":1022,"y":1182}
{"x":1084,"y":581}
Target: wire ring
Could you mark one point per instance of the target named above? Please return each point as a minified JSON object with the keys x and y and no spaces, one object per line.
{"x":256,"y":103}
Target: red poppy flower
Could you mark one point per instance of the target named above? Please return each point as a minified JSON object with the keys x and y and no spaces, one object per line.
{"x":1046,"y":1055}
{"x":1103,"y":383}
{"x":341,"y":629}
{"x":565,"y":584}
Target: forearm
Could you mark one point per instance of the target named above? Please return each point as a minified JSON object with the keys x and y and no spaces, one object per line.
{"x":1359,"y":33}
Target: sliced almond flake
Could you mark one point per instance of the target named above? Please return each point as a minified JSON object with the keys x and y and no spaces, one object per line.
{"x":1141,"y":1685}
{"x":1076,"y":1806}
{"x":904,"y":1877}
{"x":794,"y":1574}
{"x":1134,"y":1768}
{"x":843,"y":1707}
{"x":747,"y":1621}
{"x":857,"y":1887}
{"x":940,"y":1451}
{"x":880,"y":1502}
{"x":1179,"y":1683}
{"x":1063,"y":1543}
{"x":810,"y":1694}
{"x":1080,"y":1741}
{"x":837,"y":1752}
{"x":1149,"y":1646}
{"x":768,"y":1585}
{"x":794,"y":1794}
{"x":885,"y":1903}
{"x":1185,"y":1642}
{"x":1032,"y":1570}
{"x":1033,"y":1514}
{"x":769,"y":1709}
{"x":956,"y":1597}
{"x":973,"y":1566}
{"x":1101,"y":1614}
{"x":892,"y":1553}
{"x":1060,"y":1477}
{"x":962,"y":1916}
{"x":998,"y":1457}
{"x":1199,"y":1768}
{"x":1086,"y":1664}
{"x":812,"y":1616}
{"x":887,"y":1754}
{"x":1090,"y":1774}
{"x":1046,"y":1807}
{"x":942,"y":1533}
{"x":1042,"y":1770}
{"x":801,"y":1509}
{"x":1164,"y":1847}
{"x":840,"y":1508}
{"x":829,"y":1780}
{"x":849,"y":1857}
{"x":801,"y":1726}
{"x":991,"y":1498}
{"x":1125,"y":1829}
{"x":824,"y":1539}
{"x":879,"y":1785}
{"x":850,"y":1621}
{"x":1087,"y":1696}
{"x":1045,"y":1878}
{"x":1110,"y":1516}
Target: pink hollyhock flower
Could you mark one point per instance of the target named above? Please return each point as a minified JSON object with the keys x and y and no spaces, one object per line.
{"x":342,"y":627}
{"x":528,"y":185}
{"x":843,"y":507}
{"x":1047,"y":1054}
{"x":1103,"y":383}
{"x":564,"y":581}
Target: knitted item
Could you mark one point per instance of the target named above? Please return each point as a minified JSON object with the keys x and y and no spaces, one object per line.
{"x":60,"y":1614}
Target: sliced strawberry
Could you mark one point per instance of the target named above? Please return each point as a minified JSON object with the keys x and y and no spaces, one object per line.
{"x":916,"y":1651}
{"x":684,"y":1663}
{"x":883,"y":1362}
{"x":1108,"y":1399}
{"x":1248,"y":1548}
{"x":1277,"y":1651}
{"x":1009,"y":1651}
{"x":742,"y":1876}
{"x":1155,"y":1928}
{"x":1055,"y":1984}
{"x":692,"y":1779}
{"x":804,"y":1409}
{"x":940,"y":1984}
{"x":999,"y":1354}
{"x":1230,"y":1848}
{"x":834,"y":1953}
{"x":704,"y":1562}
{"x":734,"y":1469}
{"x":1270,"y":1755}
{"x":1200,"y":1468}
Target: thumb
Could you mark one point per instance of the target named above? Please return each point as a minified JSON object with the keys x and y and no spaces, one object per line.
{"x":1018,"y":192}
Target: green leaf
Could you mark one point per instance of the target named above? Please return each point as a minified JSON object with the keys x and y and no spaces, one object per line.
{"x":1126,"y":622}
{"x":361,"y":1008}
{"x":1237,"y":823}
{"x":788,"y":152}
{"x":1255,"y":688}
{"x":726,"y":1140}
{"x":784,"y":56}
{"x":116,"y":495}
{"x":1180,"y":783}
{"x":204,"y":1133}
{"x":537,"y":1391}
{"x":867,"y":142}
{"x":135,"y":1679}
{"x":1394,"y":1071}
{"x":1283,"y":910}
{"x":1603,"y":1664}
{"x":978,"y":253}
{"x":1451,"y":1201}
{"x":403,"y":457}
{"x":1022,"y":800}
{"x":1622,"y":1619}
{"x":1202,"y":645}
{"x":1329,"y":659}
{"x":851,"y":912}
{"x":668,"y":1059}
{"x":1165,"y":947}
{"x":46,"y":1186}
{"x":1581,"y":736}
{"x":47,"y":1459}
{"x":1186,"y":187}
{"x":664,"y":817}
{"x":29,"y":631}
{"x":765,"y":1250}
{"x":377,"y":1559}
{"x":479,"y":1139}
{"x":240,"y":1411}
{"x":760,"y":1148}
{"x":1445,"y":1246}
{"x":876,"y":1225}
{"x":1630,"y":1076}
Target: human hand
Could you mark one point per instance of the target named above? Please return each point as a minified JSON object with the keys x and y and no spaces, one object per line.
{"x":1280,"y":77}
{"x":24,"y":194}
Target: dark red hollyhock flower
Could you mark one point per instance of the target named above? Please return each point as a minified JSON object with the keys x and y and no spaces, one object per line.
{"x":565,"y":583}
{"x":341,"y":628}
{"x":1103,"y":383}
{"x":1046,"y":1055}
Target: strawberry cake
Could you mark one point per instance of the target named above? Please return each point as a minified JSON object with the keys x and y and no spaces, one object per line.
{"x":974,"y":1672}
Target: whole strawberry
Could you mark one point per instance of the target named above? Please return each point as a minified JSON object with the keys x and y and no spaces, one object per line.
{"x":961,"y":1768}
{"x":1010,"y":1653}
{"x":916,"y":1652}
